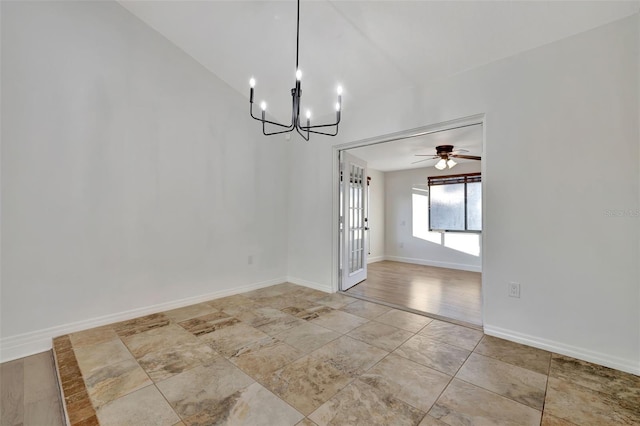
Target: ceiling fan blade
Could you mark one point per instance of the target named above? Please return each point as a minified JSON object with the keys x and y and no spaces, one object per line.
{"x":426,"y":155}
{"x":420,"y":161}
{"x":468,"y":157}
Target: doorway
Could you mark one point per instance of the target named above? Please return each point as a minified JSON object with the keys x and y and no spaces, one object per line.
{"x":421,"y":269}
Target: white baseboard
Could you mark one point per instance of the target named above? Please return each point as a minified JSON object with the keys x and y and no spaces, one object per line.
{"x":460,"y":266}
{"x":626,"y":365}
{"x":375,"y":259}
{"x":34,"y":342}
{"x":310,"y":284}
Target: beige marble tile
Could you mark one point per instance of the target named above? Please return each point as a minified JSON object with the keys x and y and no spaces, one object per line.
{"x":339,"y":321}
{"x":93,"y":357}
{"x":281,"y":324}
{"x":380,"y":335}
{"x":361,"y":404}
{"x":228,"y":340}
{"x":434,"y":354}
{"x":114,"y":381}
{"x":251,"y":406}
{"x":431,"y":421}
{"x":141,"y":324}
{"x":307,"y":383}
{"x":452,"y":334}
{"x":312,"y":294}
{"x":169,"y":361}
{"x":514,"y":353}
{"x":584,"y":406}
{"x":365,"y":309}
{"x":549,"y":420}
{"x":336,"y":300}
{"x":233,"y":305}
{"x":93,"y":336}
{"x":408,"y":381}
{"x":305,"y":309}
{"x":404,"y":320}
{"x":624,"y":387}
{"x":158,"y":339}
{"x":269,"y":320}
{"x":281,"y":302}
{"x":209,"y":323}
{"x":192,"y":311}
{"x":306,"y":422}
{"x":208,"y":385}
{"x":465,"y":404}
{"x":307,"y":313}
{"x":262,"y":357}
{"x":307,"y":337}
{"x":517,"y":383}
{"x":266,"y":292}
{"x":350,"y":356}
{"x":144,"y":407}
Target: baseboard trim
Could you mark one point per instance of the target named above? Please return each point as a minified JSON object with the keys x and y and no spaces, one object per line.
{"x":599,"y":358}
{"x":375,"y":259}
{"x":14,"y":347}
{"x":310,"y":284}
{"x":460,"y":266}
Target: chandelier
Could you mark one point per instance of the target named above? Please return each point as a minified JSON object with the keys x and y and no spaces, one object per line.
{"x":296,"y":94}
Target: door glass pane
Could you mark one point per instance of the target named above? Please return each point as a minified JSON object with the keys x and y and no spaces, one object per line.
{"x":356,"y":219}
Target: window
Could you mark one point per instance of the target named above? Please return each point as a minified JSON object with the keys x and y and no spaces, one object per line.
{"x":455,"y":203}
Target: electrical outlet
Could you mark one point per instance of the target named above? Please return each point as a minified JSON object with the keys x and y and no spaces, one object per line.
{"x":514,"y":290}
{"x":401,"y":245}
{"x":250,"y":260}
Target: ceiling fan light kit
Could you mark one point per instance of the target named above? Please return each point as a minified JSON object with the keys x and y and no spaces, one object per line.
{"x":296,"y":93}
{"x":446,"y":154}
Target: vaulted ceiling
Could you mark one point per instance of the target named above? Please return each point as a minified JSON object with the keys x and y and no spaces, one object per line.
{"x":367,"y":46}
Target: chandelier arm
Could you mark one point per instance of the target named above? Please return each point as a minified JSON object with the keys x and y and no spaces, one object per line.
{"x":306,"y":138}
{"x":290,"y":126}
{"x":323,"y":133}
{"x":264,"y":132}
{"x":317,"y":126}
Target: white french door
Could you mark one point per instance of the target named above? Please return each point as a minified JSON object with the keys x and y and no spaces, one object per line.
{"x":353,"y":220}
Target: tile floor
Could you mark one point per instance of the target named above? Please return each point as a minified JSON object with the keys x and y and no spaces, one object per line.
{"x":290,"y":355}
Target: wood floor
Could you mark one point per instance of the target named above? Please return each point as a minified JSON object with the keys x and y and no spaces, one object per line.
{"x":29,"y":393}
{"x":447,"y":293}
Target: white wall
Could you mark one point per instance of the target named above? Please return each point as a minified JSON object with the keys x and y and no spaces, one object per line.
{"x":132,"y":178}
{"x":552,"y":114}
{"x":407,"y":238}
{"x":376,"y":215}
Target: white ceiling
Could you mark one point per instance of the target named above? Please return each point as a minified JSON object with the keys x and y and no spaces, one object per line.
{"x":367,"y":46}
{"x":401,"y":154}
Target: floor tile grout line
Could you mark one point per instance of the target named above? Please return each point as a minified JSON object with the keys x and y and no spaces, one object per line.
{"x":497,"y":394}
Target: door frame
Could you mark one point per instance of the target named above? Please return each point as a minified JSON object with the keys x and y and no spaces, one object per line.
{"x":405,"y":134}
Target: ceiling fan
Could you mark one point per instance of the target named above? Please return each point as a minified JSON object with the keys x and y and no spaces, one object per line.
{"x":446,"y":154}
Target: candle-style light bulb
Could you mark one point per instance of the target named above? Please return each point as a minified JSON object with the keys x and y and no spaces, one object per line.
{"x":252,"y":82}
{"x":298,"y":75}
{"x":263,"y":105}
{"x":308,"y":114}
{"x":339,"y":90}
